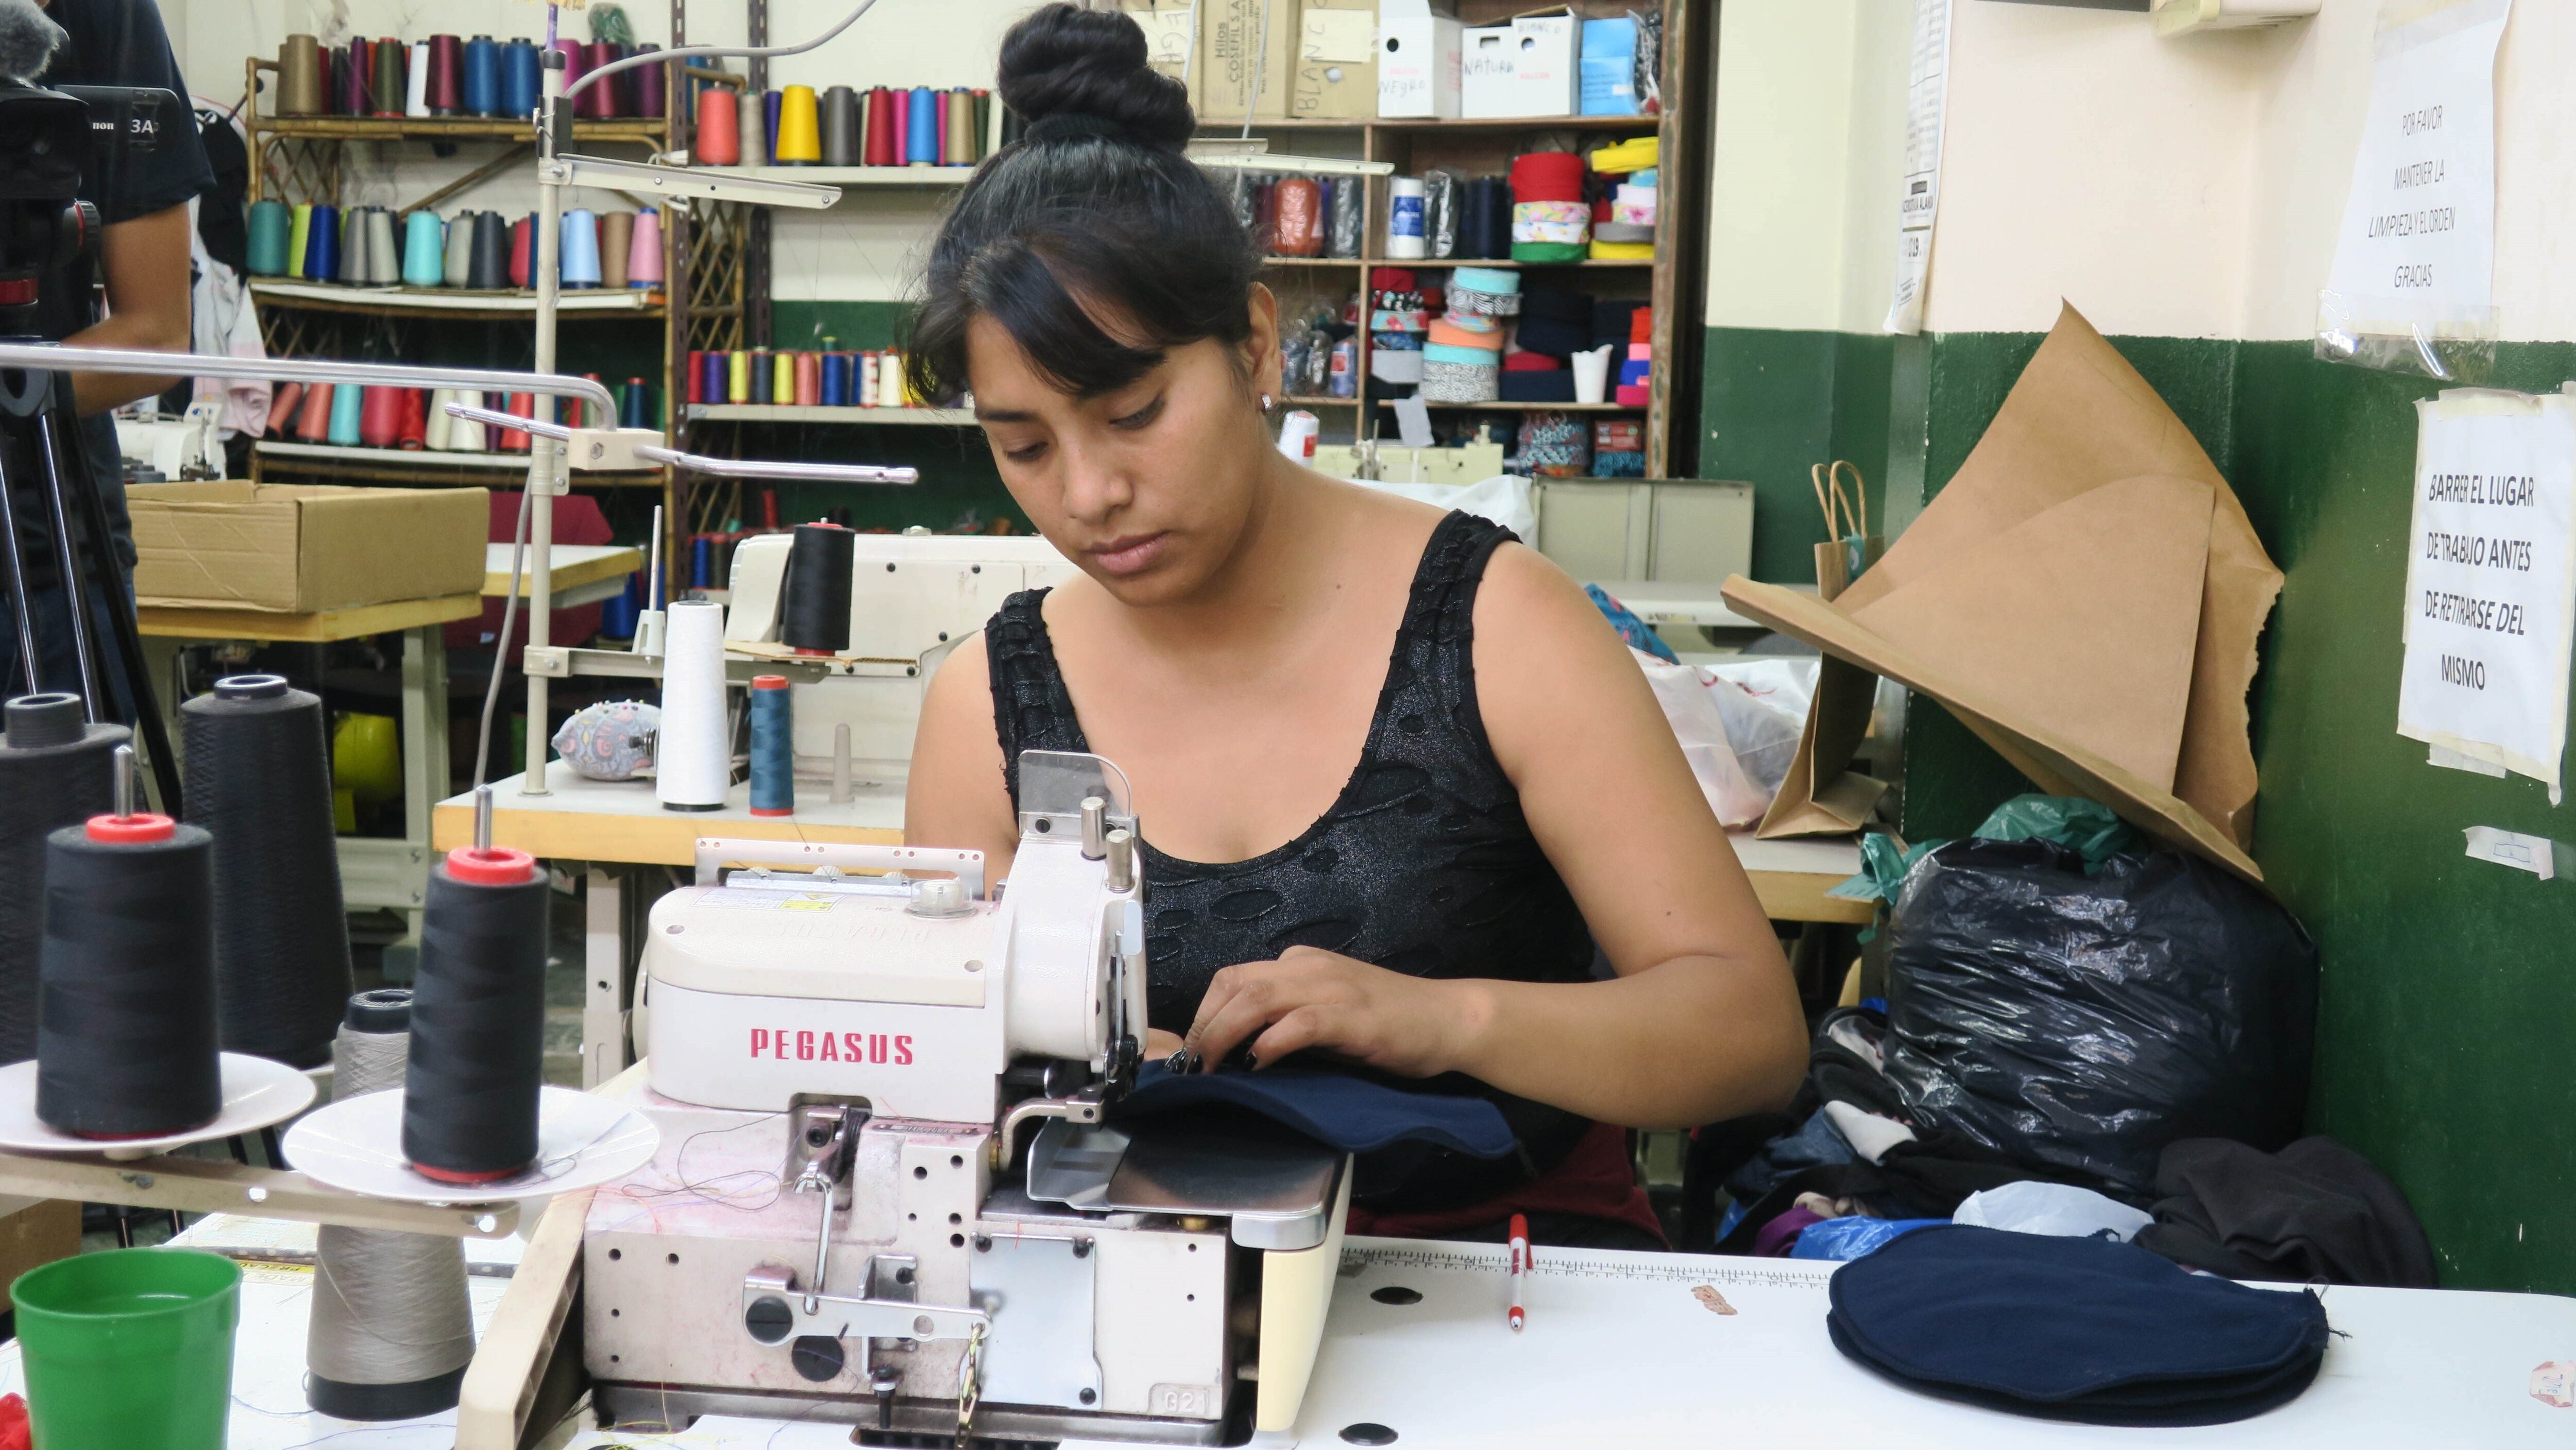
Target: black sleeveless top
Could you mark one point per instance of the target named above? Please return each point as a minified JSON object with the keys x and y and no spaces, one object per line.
{"x":1424,"y":865}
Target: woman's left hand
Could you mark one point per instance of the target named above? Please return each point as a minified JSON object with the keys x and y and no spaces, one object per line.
{"x":1411,"y":1026}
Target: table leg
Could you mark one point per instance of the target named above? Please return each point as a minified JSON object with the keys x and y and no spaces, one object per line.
{"x":161,"y":666}
{"x":603,"y":1008}
{"x":395,"y":874}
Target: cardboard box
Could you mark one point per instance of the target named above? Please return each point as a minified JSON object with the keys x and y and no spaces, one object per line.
{"x":1167,"y":34}
{"x":299,"y":549}
{"x":1525,"y":68}
{"x":1336,"y":60}
{"x":1418,"y":60}
{"x":1232,"y":56}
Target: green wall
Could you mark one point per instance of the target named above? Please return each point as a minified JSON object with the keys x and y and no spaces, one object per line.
{"x":2444,"y":1053}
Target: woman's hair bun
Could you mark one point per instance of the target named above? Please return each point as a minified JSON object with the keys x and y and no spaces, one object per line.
{"x":1067,"y":61}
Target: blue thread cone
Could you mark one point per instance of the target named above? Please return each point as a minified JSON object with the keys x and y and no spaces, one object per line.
{"x":345,"y":411}
{"x":424,"y":250}
{"x":921,"y":128}
{"x":322,"y":245}
{"x":773,"y":748}
{"x":271,"y":225}
{"x":836,"y":380}
{"x":580,"y":249}
{"x":482,"y":76}
{"x":519,"y":78}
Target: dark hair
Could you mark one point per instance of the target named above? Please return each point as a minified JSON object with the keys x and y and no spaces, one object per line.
{"x":1097,"y":204}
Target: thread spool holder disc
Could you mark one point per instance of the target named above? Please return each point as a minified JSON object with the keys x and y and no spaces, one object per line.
{"x":583,"y":1141}
{"x":257,"y":1094}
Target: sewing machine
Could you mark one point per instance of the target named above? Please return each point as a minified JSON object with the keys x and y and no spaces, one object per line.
{"x":888,"y":1192}
{"x":912,"y":597}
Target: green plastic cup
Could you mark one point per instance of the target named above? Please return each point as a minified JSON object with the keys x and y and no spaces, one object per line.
{"x":129,"y":1348}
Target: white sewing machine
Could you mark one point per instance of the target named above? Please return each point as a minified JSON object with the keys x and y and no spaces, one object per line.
{"x":912,"y":597}
{"x":886,"y":1194}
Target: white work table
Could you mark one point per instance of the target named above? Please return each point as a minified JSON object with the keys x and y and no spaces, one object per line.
{"x":1628,"y":1351}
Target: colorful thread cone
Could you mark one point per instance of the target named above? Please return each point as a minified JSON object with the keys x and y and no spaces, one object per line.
{"x":577,"y":255}
{"x":282,"y":404}
{"x":385,"y":91}
{"x":800,"y":137}
{"x":322,"y":245}
{"x":459,"y":271}
{"x":380,"y":417}
{"x":519,"y":79}
{"x":313,"y":424}
{"x":616,"y":244}
{"x":416,"y":80}
{"x":921,"y":128}
{"x":355,"y":74}
{"x":649,"y":85}
{"x":523,"y":238}
{"x":644,"y":251}
{"x":300,"y":80}
{"x":384,"y":258}
{"x":719,"y":140}
{"x":347,"y":407}
{"x":635,"y":409}
{"x":424,"y":250}
{"x":754,"y":131}
{"x":877,"y":143}
{"x":605,"y":97}
{"x":270,"y":225}
{"x":840,"y":127}
{"x":491,"y":253}
{"x":413,"y":429}
{"x":482,"y":77}
{"x":446,"y":75}
{"x":436,"y":425}
{"x":299,"y":237}
{"x":833,"y":387}
{"x":576,"y":65}
{"x":352,"y":256}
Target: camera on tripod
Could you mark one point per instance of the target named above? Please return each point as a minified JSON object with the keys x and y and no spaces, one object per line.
{"x":57,"y":139}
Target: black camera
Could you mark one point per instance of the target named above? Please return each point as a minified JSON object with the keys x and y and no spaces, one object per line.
{"x":53,"y":141}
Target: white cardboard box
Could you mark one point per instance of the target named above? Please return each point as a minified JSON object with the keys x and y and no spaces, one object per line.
{"x":1418,"y":50}
{"x":1530,"y":67}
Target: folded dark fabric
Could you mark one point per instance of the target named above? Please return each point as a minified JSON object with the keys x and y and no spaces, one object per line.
{"x":1554,"y":336}
{"x":2314,"y":1212}
{"x":1611,"y":321}
{"x":1521,"y":385}
{"x":1557,"y":305}
{"x":2073,"y":1329}
{"x":1340,"y":1111}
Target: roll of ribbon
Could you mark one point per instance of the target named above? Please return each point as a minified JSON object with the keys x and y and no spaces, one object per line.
{"x":271,"y":226}
{"x":520,"y":78}
{"x":578,"y":251}
{"x":1447,"y":332}
{"x":800,"y":141}
{"x":347,"y":407}
{"x":313,"y":421}
{"x":606,"y":97}
{"x":300,"y":77}
{"x":491,"y":271}
{"x":482,"y":84}
{"x":576,"y":65}
{"x":773,"y":746}
{"x":1547,"y":176}
{"x":282,"y":403}
{"x":384,"y":250}
{"x":424,"y":250}
{"x":446,"y":78}
{"x":616,"y":240}
{"x":832,"y":385}
{"x":719,"y":140}
{"x":921,"y":127}
{"x":764,"y":376}
{"x":840,"y":127}
{"x":959,"y":148}
{"x":648,"y":86}
{"x":644,"y":250}
{"x":877,"y":146}
{"x":809,"y":379}
{"x":380,"y":417}
{"x":299,"y":238}
{"x":416,"y":80}
{"x":322,"y":245}
{"x":385,"y":95}
{"x":523,"y":233}
{"x":694,"y":762}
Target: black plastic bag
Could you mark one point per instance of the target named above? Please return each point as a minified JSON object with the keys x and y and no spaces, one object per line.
{"x":2085,"y":1021}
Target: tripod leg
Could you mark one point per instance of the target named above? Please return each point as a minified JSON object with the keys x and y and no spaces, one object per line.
{"x":65,"y":561}
{"x":116,"y":598}
{"x":19,"y":612}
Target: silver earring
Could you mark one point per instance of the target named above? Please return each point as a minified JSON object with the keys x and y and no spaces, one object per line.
{"x":1265,"y":402}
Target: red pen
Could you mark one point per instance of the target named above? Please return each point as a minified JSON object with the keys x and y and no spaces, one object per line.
{"x":1520,"y":1268}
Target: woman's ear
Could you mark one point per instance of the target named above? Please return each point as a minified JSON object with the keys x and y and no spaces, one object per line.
{"x":1261,"y":345}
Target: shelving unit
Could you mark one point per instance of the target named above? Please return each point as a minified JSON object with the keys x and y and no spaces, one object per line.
{"x":791,"y":413}
{"x":300,"y":159}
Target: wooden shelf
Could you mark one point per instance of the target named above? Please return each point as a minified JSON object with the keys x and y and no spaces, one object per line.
{"x":1433,"y":123}
{"x":451,"y":128}
{"x":1503,"y":264}
{"x":792,"y":413}
{"x":1528,"y":407}
{"x":1314,"y":261}
{"x":445,"y":302}
{"x":851,"y":175}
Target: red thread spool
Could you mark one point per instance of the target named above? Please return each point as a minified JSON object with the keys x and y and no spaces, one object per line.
{"x":523,"y":242}
{"x":884,"y":143}
{"x":515,"y":440}
{"x":380,"y":417}
{"x":719,"y":136}
{"x":446,"y":75}
{"x":414,"y":429}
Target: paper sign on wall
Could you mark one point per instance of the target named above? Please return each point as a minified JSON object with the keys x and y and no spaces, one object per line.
{"x":2491,"y":579}
{"x":2414,"y":261}
{"x":1927,"y":91}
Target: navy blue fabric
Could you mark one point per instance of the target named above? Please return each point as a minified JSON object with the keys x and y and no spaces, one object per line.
{"x":2073,"y":1329}
{"x":1339,"y":1111}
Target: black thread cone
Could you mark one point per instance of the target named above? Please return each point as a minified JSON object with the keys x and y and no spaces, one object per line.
{"x":815,"y":615}
{"x":127,"y":1046}
{"x":54,"y":772}
{"x":259,"y":779}
{"x":491,"y":269}
{"x":478,"y":1013}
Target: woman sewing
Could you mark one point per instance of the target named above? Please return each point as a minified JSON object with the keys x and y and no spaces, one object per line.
{"x":1396,"y":777}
